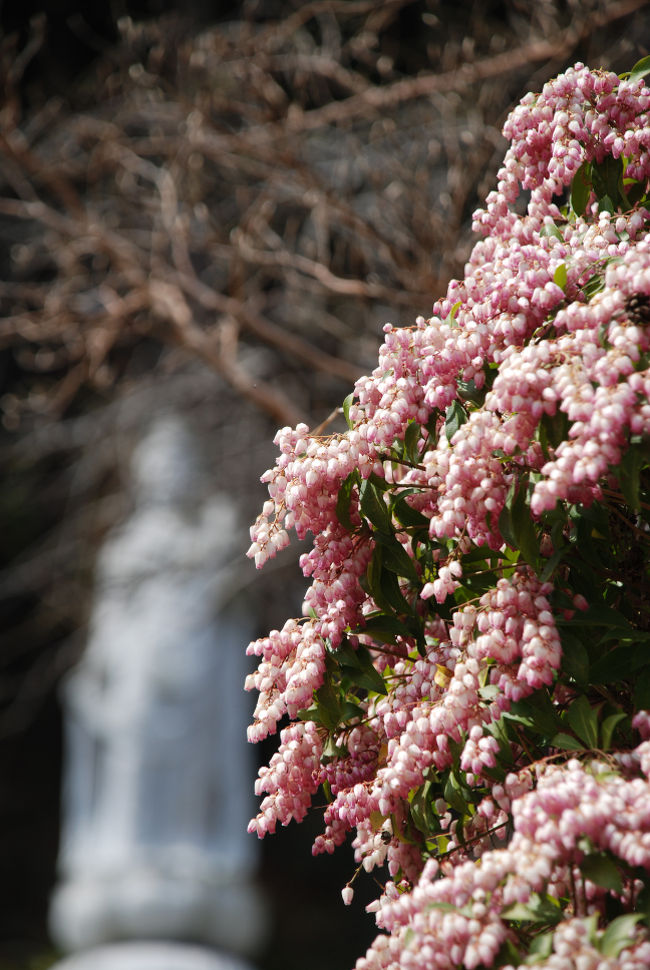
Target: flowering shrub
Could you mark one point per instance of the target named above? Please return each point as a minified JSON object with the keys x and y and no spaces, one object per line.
{"x":470,"y":681}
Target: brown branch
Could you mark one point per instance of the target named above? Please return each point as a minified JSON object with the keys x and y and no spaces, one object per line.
{"x":389,"y":96}
{"x":268,"y":331}
{"x":169,"y":303}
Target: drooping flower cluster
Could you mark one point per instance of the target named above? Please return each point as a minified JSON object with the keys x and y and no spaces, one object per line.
{"x":463,"y":916}
{"x":479,"y":589}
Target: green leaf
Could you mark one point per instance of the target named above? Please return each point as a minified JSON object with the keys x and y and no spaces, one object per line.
{"x":350,"y":711}
{"x":629,"y":474}
{"x":541,"y":947}
{"x":373,"y":506}
{"x":536,"y":910}
{"x":357,"y":666}
{"x":605,"y":204}
{"x":396,"y":558}
{"x":594,"y":285}
{"x":328,"y":706}
{"x":346,"y":409}
{"x":600,"y":868}
{"x":636,"y":193}
{"x":384,"y":628}
{"x":452,"y":313}
{"x":411,"y":441}
{"x":582,"y":718}
{"x":392,"y":594}
{"x":406,"y":515}
{"x":607,"y":180}
{"x":581,"y":188}
{"x":619,"y":934}
{"x":552,"y":563}
{"x":620,"y":663}
{"x":553,"y":429}
{"x":640,"y":69}
{"x":599,"y":614}
{"x":344,"y":499}
{"x":575,"y":659}
{"x":455,"y":794}
{"x":523,"y":529}
{"x":537,"y":712}
{"x":608,"y":727}
{"x":422,"y":811}
{"x":470,"y":392}
{"x":490,"y":692}
{"x":550,"y":229}
{"x":455,"y":417}
{"x":560,"y":276}
{"x":505,"y":518}
{"x":368,"y":679}
{"x":566,"y":743}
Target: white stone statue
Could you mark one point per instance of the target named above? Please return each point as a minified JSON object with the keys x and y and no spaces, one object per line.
{"x":158,"y":774}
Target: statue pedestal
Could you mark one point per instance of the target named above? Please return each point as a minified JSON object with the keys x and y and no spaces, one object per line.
{"x":150,"y":956}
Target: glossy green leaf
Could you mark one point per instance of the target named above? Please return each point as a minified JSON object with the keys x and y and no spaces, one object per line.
{"x":411,"y":440}
{"x":607,"y":179}
{"x":550,"y":229}
{"x":451,"y":319}
{"x":346,"y":409}
{"x":608,"y":727}
{"x":392,"y":594}
{"x":560,"y":276}
{"x":406,"y":515}
{"x":575,"y":659}
{"x":582,"y":719}
{"x":384,"y":628}
{"x":636,"y":193}
{"x":344,"y":499}
{"x":565,"y":742}
{"x":541,"y":947}
{"x":541,"y":711}
{"x":505,"y":518}
{"x":350,"y":711}
{"x":629,"y":476}
{"x":455,"y":417}
{"x":601,"y":869}
{"x":594,"y":285}
{"x":619,"y":934}
{"x":537,"y":910}
{"x":396,"y":558}
{"x":328,"y":706}
{"x":581,"y":189}
{"x":620,"y":663}
{"x":368,"y":679}
{"x":422,"y":811}
{"x":640,"y":69}
{"x":468,"y":391}
{"x":523,"y":529}
{"x":454,"y":794}
{"x":356,"y":665}
{"x":373,"y":506}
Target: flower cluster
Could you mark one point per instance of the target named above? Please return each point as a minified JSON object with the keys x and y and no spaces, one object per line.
{"x":464,"y":916}
{"x":469,"y":681}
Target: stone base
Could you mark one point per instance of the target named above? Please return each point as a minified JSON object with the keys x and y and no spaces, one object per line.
{"x":142,"y":905}
{"x":151,"y":956}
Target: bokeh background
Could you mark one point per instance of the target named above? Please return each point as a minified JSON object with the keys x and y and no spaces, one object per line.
{"x":213,"y":208}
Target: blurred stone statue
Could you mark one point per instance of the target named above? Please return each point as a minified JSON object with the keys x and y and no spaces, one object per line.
{"x":159,"y":775}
